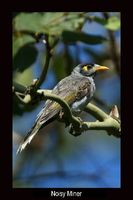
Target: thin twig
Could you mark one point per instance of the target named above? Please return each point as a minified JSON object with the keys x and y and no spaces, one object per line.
{"x":46,"y":64}
{"x":113,"y":47}
{"x":110,"y":125}
{"x":96,"y":112}
{"x":24,"y":100}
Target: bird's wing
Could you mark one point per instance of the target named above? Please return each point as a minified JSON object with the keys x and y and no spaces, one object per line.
{"x":68,"y":89}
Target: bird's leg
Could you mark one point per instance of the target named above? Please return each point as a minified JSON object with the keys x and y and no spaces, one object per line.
{"x":80,"y":120}
{"x":61,"y":114}
{"x":62,"y":118}
{"x":76,"y":127}
{"x":74,"y":131}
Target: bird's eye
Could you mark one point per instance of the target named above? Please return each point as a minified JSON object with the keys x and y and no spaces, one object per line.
{"x":85,"y":68}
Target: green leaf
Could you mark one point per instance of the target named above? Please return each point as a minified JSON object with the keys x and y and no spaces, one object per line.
{"x":113,"y":23}
{"x":19,"y":41}
{"x":24,"y":78}
{"x":99,"y":20}
{"x":72,"y":37}
{"x":25,"y":57}
{"x":48,"y":22}
{"x":28,"y":21}
{"x":19,"y":108}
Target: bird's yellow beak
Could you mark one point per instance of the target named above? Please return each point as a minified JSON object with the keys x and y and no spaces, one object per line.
{"x":100,"y":68}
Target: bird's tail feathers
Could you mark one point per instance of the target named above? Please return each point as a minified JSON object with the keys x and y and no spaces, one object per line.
{"x":40,"y":122}
{"x":29,"y":137}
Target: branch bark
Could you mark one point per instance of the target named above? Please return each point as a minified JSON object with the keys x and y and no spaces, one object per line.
{"x":96,"y":112}
{"x":77,"y":126}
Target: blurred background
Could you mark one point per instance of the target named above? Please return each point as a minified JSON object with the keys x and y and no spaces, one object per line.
{"x":55,"y":158}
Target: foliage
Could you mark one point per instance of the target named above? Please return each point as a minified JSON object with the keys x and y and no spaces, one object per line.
{"x":63,"y":27}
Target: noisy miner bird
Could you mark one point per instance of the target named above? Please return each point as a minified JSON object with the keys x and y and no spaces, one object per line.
{"x":77,"y":89}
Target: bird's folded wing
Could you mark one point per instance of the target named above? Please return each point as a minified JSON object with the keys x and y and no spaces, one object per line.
{"x":69,"y":90}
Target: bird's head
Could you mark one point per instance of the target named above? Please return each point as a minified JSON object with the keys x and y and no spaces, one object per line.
{"x":89,"y":70}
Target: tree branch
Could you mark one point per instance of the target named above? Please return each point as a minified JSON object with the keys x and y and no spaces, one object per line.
{"x":18,"y":87}
{"x":110,"y":122}
{"x":96,"y":112}
{"x":37,"y":37}
{"x":46,"y":65}
{"x":113,"y":46}
{"x":110,"y":125}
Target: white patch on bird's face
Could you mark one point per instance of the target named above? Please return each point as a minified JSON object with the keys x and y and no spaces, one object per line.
{"x":96,"y":65}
